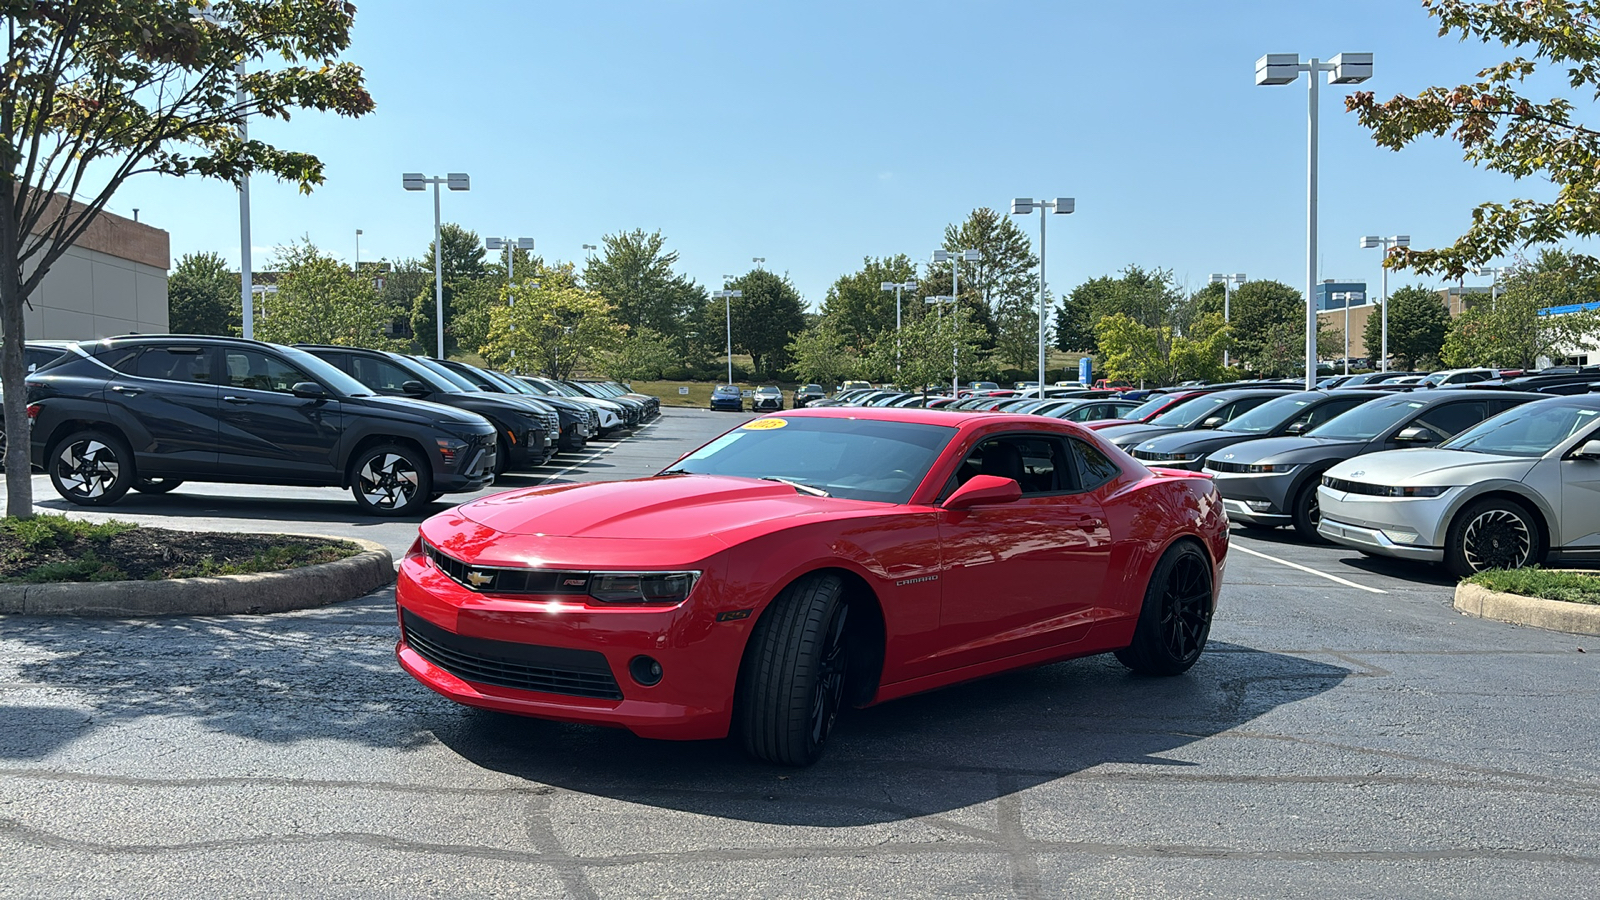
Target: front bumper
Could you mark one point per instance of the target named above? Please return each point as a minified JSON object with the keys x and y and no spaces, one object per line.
{"x":767,"y":405}
{"x":700,"y":659}
{"x":1401,"y":527}
{"x":734,"y":405}
{"x":1255,"y":499}
{"x":474,"y":471}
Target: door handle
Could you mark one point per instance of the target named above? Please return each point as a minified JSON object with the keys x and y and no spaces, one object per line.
{"x":232,"y":399}
{"x":127,"y":390}
{"x":1088,"y":522}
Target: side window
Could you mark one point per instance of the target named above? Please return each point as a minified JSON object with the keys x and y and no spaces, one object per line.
{"x":1039,"y":465}
{"x":1097,"y":468}
{"x":1451,"y":418}
{"x":191,"y":364}
{"x":1239,"y":407}
{"x":381,"y":375}
{"x":1330,"y":410}
{"x":256,"y":371}
{"x":122,"y":359}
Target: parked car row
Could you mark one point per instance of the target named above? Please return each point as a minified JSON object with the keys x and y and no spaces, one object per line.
{"x":149,"y":412}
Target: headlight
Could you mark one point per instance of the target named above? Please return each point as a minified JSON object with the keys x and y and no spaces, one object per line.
{"x":1278,"y":469}
{"x":1398,"y":491}
{"x":642,"y":587}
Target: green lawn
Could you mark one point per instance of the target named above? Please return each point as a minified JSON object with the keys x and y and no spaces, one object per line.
{"x":1570,"y":587}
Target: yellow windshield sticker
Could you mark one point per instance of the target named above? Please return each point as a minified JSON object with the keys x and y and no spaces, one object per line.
{"x":765,"y":424}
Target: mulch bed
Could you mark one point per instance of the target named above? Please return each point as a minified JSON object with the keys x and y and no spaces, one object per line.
{"x":140,"y":554}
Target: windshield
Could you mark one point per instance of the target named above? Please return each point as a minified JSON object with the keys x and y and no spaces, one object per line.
{"x":1270,"y":415}
{"x":505,"y":382}
{"x":444,"y":372}
{"x":1152,"y":406}
{"x":1532,"y":430}
{"x":721,"y":389}
{"x":857,"y":459}
{"x":1192,"y":412}
{"x":767,"y":391}
{"x":1367,"y":422}
{"x":325,"y":372}
{"x":812,"y":388}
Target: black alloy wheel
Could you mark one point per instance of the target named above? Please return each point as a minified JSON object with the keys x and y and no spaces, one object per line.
{"x":157,"y":485}
{"x":796,"y":666}
{"x":91,"y":468}
{"x":1307,"y":511}
{"x":1175,"y":620}
{"x":391,"y":480}
{"x":1492,"y":534}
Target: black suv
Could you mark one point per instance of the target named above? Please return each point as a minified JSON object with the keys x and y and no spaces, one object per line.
{"x":151,"y":412}
{"x":525,"y":433}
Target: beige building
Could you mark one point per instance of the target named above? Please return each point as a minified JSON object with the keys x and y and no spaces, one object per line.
{"x":112,"y":281}
{"x":1454,"y":299}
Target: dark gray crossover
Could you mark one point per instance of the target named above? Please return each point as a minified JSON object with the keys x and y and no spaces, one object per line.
{"x":1212,"y":410}
{"x":151,"y":412}
{"x":1290,"y":414}
{"x":1274,"y":482}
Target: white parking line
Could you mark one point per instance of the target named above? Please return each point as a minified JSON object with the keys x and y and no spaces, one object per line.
{"x":1308,"y":570}
{"x":583,"y":462}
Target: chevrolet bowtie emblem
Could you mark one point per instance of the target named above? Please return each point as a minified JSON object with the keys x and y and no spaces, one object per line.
{"x":479,"y":579}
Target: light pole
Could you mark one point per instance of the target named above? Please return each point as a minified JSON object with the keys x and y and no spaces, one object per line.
{"x":758,"y":260}
{"x":1228,"y":282}
{"x":1285,"y":68}
{"x":955,"y":340}
{"x":591,"y":248}
{"x":1346,"y":297}
{"x":1021,"y":206}
{"x":456,"y":181}
{"x":511,"y":247}
{"x":897,"y":287}
{"x":263,"y":290}
{"x":358,"y":252}
{"x":1388,"y":244}
{"x":1496,"y":274}
{"x":727,"y":310}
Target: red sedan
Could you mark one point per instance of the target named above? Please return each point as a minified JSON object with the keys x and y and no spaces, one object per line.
{"x":808,"y":560}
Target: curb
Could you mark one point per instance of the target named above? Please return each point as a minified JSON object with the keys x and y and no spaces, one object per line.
{"x":263,"y":592}
{"x":1574,"y":618}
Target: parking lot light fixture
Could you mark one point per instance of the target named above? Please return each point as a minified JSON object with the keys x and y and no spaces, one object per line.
{"x":1285,"y":68}
{"x":1347,"y":297}
{"x":1022,"y":206}
{"x":1228,"y":282}
{"x":727,"y":310}
{"x":897,"y":287}
{"x":955,"y":341}
{"x":1498,"y":275}
{"x":511,"y":247}
{"x":456,"y":181}
{"x":1388,"y":244}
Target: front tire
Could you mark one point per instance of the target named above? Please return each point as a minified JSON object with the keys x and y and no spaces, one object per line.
{"x":1492,"y":534}
{"x":1175,"y":620}
{"x":1307,"y":512}
{"x":792,"y":684}
{"x":156,"y":485}
{"x":91,"y":468}
{"x":391,"y":480}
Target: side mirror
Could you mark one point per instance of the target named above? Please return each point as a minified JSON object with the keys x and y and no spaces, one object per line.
{"x":984,"y":489}
{"x":1213,"y":422}
{"x":309,"y":390}
{"x":1297,"y":428}
{"x":1590,"y":450}
{"x":1415,"y":434}
{"x":414,"y":388}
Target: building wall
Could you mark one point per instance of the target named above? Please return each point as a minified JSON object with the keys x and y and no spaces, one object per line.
{"x":1333,"y":323}
{"x":1327,"y":289}
{"x":112,"y":281}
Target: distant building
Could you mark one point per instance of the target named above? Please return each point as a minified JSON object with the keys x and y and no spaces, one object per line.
{"x":112,"y":281}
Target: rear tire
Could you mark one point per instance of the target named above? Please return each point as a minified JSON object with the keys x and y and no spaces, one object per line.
{"x":91,"y":468}
{"x":1492,"y":534}
{"x":156,"y":485}
{"x":1175,"y":620}
{"x":391,"y":480}
{"x":1307,"y":512}
{"x":793,"y":680}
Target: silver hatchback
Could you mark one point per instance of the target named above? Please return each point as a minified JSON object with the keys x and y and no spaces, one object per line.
{"x":1512,"y":491}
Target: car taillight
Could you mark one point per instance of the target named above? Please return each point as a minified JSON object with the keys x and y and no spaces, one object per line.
{"x":33,"y":411}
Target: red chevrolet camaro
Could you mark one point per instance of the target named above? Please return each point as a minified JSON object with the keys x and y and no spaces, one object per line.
{"x":807,"y":560}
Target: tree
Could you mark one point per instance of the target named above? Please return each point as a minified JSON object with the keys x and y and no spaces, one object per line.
{"x":1016,"y":341}
{"x":1160,"y":355}
{"x":1268,"y":322}
{"x":1418,"y":323}
{"x":923,"y":352}
{"x":555,"y":327}
{"x":861,"y":309}
{"x":634,"y":272}
{"x":1512,"y":332}
{"x":202,"y":295}
{"x":1006,"y":275}
{"x":766,"y":318}
{"x":642,"y":354}
{"x":95,"y":92}
{"x":823,"y":355}
{"x":461,"y":264}
{"x":1501,"y":129}
{"x":320,"y":301}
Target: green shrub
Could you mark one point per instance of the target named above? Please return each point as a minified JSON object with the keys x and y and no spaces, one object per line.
{"x":88,"y":567}
{"x":47,"y":531}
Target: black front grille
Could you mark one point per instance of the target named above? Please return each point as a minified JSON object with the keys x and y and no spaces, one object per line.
{"x":496,"y":580}
{"x":1355,"y":487}
{"x":1215,"y":466}
{"x":526,"y":667}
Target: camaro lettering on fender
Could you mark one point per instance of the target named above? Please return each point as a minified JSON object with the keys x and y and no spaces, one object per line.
{"x":907,"y":581}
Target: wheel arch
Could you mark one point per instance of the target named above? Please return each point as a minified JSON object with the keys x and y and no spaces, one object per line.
{"x":368,"y":441}
{"x":1541,"y":517}
{"x":867,"y":630}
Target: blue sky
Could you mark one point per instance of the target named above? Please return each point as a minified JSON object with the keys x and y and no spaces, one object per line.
{"x":813,"y":134}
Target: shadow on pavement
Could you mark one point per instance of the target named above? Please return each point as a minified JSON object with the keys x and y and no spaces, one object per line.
{"x":919,"y":756}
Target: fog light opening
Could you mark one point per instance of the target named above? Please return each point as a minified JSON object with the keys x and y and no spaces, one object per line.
{"x":645,"y":670}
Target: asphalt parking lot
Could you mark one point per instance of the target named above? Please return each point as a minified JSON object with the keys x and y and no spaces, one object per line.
{"x":1347,"y":733}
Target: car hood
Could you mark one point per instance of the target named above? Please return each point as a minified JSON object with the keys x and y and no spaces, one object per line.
{"x":409,"y":407}
{"x":1289,"y":451}
{"x":1194,"y":441}
{"x":670,"y":507}
{"x":1129,"y":435}
{"x":1428,"y":467}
